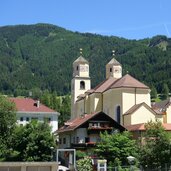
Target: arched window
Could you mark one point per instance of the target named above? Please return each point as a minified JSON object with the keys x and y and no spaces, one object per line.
{"x":118,"y":114}
{"x":82,"y":85}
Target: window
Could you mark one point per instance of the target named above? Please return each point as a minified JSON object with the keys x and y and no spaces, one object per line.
{"x":64,"y":140}
{"x":73,"y":140}
{"x":60,"y":141}
{"x":77,"y":68}
{"x":47,"y":120}
{"x":82,"y":85}
{"x":27,"y":119}
{"x":87,"y":139}
{"x":34,"y":119}
{"x":77,"y":140}
{"x":110,"y":69}
{"x":118,"y":114}
{"x":21,"y":119}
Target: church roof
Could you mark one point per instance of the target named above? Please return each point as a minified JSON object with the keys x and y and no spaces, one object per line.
{"x":114,"y":62}
{"x":133,"y":109}
{"x":110,"y":83}
{"x":141,"y":127}
{"x":128,"y":81}
{"x":136,"y":127}
{"x":137,"y":106}
{"x":104,"y":85}
{"x":81,"y":59}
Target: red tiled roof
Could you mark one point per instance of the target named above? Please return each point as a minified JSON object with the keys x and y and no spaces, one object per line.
{"x":137,"y":106}
{"x":167,"y":126}
{"x":75,"y":123}
{"x":136,"y":127}
{"x":128,"y":81}
{"x":141,"y":127}
{"x":133,"y":109}
{"x":29,"y":105}
{"x":105,"y":85}
{"x":125,"y":81}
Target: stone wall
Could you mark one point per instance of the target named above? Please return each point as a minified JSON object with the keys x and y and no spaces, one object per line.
{"x":28,"y":166}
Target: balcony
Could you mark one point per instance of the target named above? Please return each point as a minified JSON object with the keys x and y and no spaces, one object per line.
{"x":83,"y":145}
{"x":96,"y":128}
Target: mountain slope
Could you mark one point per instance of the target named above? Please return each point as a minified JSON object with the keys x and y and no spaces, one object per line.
{"x":40,"y":56}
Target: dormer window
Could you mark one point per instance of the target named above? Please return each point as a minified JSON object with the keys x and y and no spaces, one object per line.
{"x":82,"y":85}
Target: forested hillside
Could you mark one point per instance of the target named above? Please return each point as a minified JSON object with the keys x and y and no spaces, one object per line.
{"x":39,"y":57}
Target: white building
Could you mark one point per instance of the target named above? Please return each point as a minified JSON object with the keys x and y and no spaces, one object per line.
{"x":29,"y":109}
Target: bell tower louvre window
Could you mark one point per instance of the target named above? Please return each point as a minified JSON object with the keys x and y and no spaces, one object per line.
{"x":82,"y":85}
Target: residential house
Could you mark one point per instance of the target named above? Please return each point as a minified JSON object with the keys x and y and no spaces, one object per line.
{"x":84,"y":132}
{"x":29,"y":109}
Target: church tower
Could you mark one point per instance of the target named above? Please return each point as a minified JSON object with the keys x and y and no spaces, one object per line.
{"x":80,"y":82}
{"x":113,"y":68}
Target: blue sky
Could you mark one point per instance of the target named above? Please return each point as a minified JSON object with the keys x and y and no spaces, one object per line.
{"x":133,"y":19}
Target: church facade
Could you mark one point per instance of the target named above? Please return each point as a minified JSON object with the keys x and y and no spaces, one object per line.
{"x":123,"y":99}
{"x":118,"y":96}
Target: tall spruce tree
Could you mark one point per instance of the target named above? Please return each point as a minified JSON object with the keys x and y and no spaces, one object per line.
{"x":165,"y":91}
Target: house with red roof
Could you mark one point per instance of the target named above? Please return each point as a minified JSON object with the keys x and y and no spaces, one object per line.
{"x":29,"y":109}
{"x":84,"y":132}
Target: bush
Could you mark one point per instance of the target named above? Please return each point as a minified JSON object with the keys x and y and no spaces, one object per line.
{"x":84,"y":164}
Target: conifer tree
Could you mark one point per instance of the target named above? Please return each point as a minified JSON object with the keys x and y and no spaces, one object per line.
{"x":165,"y":91}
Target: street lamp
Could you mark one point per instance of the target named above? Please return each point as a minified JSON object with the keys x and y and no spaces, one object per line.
{"x":131,"y":160}
{"x":52,"y":152}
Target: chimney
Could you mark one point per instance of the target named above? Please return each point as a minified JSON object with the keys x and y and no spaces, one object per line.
{"x":82,"y":116}
{"x":38,"y":103}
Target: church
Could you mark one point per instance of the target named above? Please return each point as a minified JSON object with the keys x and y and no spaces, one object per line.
{"x":119,"y":102}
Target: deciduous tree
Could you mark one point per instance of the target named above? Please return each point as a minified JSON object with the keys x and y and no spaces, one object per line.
{"x":33,"y":142}
{"x":155,"y":150}
{"x":7,"y":116}
{"x":116,"y":147}
{"x":7,"y":125}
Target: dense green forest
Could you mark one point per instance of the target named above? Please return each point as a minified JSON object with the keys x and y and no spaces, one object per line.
{"x":39,"y":57}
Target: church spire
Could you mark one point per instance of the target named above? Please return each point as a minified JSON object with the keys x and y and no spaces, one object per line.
{"x":81,"y":66}
{"x":81,"y":81}
{"x":113,"y":68}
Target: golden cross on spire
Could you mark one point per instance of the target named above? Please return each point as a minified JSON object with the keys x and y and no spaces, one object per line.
{"x":81,"y":51}
{"x":113,"y":52}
